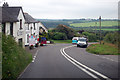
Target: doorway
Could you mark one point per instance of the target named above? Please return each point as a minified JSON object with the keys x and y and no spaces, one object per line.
{"x":11,"y":29}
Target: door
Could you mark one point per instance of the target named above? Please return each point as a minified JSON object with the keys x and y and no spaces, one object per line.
{"x":11,"y":29}
{"x":20,"y":42}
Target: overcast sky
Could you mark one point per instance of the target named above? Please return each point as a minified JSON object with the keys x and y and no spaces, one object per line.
{"x":68,"y":9}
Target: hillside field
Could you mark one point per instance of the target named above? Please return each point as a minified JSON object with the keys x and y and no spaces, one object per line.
{"x":108,"y":29}
{"x":92,"y":24}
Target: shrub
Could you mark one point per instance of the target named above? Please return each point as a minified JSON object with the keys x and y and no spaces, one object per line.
{"x":91,"y":37}
{"x":112,"y":38}
{"x":15,"y":58}
{"x":66,"y":30}
{"x":59,"y":36}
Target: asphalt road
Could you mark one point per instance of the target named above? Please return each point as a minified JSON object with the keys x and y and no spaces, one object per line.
{"x":51,"y":62}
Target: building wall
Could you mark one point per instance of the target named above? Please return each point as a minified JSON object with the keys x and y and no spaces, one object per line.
{"x":33,"y":31}
{"x":20,"y":33}
{"x":17,"y":33}
{"x":41,"y":25}
{"x":27,"y":32}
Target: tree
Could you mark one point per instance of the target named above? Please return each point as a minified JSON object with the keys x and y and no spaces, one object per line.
{"x":66,"y":30}
{"x":59,"y":36}
{"x":112,"y":38}
{"x":91,"y":37}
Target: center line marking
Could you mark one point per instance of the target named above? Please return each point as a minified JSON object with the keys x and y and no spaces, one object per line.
{"x":35,"y":57}
{"x":72,"y":60}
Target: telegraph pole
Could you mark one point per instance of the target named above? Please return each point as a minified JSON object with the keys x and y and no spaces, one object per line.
{"x":100,"y":28}
{"x":95,"y":27}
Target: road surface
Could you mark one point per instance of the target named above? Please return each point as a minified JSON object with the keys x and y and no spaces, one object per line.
{"x":69,"y":61}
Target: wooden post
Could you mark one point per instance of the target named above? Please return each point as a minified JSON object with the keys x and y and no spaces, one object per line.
{"x":95,"y":27}
{"x":100,"y":28}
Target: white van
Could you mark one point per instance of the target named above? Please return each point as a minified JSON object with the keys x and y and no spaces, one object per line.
{"x":82,"y":42}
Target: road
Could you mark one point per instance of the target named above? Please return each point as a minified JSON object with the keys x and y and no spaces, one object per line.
{"x":69,"y":61}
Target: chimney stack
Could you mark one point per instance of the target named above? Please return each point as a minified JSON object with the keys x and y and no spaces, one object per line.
{"x":5,"y":4}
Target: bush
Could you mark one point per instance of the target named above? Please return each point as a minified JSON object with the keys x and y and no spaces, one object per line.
{"x":59,"y":36}
{"x":112,"y":38}
{"x":91,"y":37}
{"x":66,"y":30}
{"x":15,"y":58}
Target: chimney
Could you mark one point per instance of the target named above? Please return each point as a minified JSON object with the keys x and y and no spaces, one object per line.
{"x":5,"y":4}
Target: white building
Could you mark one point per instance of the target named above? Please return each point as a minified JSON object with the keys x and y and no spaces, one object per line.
{"x":20,"y":25}
{"x":13,"y":22}
{"x":42,"y":27}
{"x":33,"y":27}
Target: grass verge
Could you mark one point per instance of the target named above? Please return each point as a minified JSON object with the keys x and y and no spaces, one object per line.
{"x":103,"y":49}
{"x":62,"y":41}
{"x":15,"y":58}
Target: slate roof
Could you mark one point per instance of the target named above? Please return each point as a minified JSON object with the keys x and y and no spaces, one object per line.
{"x":10,"y":14}
{"x":29,"y":18}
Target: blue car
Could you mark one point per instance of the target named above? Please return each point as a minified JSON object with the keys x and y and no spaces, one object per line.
{"x":75,"y":40}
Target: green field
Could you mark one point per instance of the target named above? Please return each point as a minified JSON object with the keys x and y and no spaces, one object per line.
{"x":62,"y":41}
{"x":103,"y":49}
{"x":108,"y":29}
{"x":92,"y":24}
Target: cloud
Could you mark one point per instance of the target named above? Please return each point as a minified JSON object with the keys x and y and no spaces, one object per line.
{"x":59,"y":9}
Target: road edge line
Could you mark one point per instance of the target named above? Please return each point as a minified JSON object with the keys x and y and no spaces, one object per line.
{"x":27,"y":66}
{"x":96,"y":72}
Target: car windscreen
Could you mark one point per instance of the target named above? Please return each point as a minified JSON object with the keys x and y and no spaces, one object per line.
{"x":82,"y":40}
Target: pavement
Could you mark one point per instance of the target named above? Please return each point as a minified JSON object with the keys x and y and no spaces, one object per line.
{"x":50,"y":63}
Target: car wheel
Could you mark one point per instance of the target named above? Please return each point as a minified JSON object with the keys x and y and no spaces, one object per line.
{"x":77,"y":45}
{"x":30,"y":47}
{"x":85,"y":46}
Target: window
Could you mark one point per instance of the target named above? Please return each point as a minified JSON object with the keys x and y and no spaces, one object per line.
{"x":34,"y":27}
{"x":36,"y":37}
{"x":27,"y":38}
{"x":28,"y":26}
{"x":20,"y":23}
{"x":3,"y":27}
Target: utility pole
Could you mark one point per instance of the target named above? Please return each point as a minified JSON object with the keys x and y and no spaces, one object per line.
{"x":95,"y":27}
{"x":100,"y":28}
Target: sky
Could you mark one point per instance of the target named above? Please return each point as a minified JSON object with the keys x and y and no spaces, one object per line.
{"x":68,"y":9}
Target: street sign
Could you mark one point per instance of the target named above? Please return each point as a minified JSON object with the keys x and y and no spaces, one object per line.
{"x":31,"y":40}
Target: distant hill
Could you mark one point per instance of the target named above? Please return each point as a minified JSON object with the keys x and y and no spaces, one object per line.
{"x":79,"y":23}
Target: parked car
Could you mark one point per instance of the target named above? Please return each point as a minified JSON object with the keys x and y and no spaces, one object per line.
{"x":82,"y":42}
{"x":43,"y":41}
{"x":75,"y":40}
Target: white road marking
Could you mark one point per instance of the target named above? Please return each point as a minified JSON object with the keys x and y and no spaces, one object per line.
{"x":105,"y":58}
{"x":28,"y":65}
{"x":35,"y":56}
{"x":75,"y":61}
{"x":89,"y":73}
